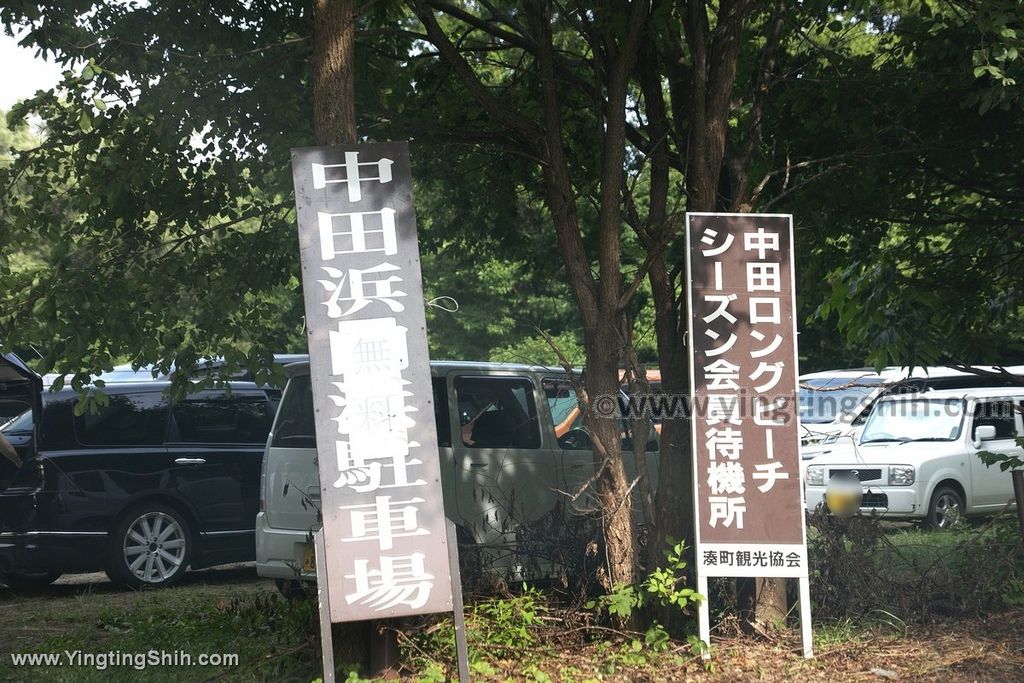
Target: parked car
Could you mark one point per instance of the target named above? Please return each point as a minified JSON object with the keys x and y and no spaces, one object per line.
{"x":652,"y":406}
{"x":835,"y":404}
{"x":917,"y":455}
{"x":503,"y":475}
{"x":141,"y":488}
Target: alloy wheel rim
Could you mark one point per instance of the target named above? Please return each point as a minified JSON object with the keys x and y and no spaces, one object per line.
{"x":154,"y":547}
{"x":945,"y":507}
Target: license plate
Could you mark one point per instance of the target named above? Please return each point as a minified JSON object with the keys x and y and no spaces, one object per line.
{"x":309,"y":559}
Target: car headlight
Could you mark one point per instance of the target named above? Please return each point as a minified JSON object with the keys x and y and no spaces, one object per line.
{"x":819,"y":440}
{"x":901,"y":475}
{"x":815,"y":475}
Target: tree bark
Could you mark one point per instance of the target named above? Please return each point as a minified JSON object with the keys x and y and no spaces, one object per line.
{"x":333,"y":71}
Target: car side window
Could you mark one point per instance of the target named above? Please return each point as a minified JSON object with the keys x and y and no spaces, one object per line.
{"x":998,"y":414}
{"x":863,"y":416}
{"x":497,"y":412}
{"x":129,"y":419}
{"x":10,"y":409}
{"x":296,"y":425}
{"x":238,"y":418}
{"x":563,"y":404}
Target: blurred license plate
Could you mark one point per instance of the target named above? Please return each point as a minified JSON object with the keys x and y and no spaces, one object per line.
{"x":309,"y":558}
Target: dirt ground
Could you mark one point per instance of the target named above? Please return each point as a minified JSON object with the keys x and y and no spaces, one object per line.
{"x":987,"y":649}
{"x":979,"y":650}
{"x":982,"y":649}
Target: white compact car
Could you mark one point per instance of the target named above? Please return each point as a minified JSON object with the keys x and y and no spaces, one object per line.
{"x":835,"y":404}
{"x":917,"y":457}
{"x":508,"y":452}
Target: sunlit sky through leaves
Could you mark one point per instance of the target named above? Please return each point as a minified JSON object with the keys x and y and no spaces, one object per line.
{"x":22,"y":73}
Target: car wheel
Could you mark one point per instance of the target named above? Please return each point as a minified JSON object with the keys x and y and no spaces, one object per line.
{"x":28,"y":582}
{"x":151,"y":547}
{"x":294,"y":589}
{"x":946,"y":508}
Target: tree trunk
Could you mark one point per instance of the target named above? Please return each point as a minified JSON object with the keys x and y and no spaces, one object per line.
{"x":674,"y":498}
{"x":333,"y":71}
{"x":599,"y":299}
{"x":613,"y":487}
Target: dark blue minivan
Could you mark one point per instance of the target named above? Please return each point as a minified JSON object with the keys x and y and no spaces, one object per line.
{"x":142,"y":487}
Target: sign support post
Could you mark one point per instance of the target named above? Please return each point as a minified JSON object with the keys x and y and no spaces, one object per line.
{"x":703,"y":617}
{"x":324,"y":602}
{"x":458,"y":611}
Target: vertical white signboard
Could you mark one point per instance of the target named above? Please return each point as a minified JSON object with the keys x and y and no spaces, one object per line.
{"x":383,"y":515}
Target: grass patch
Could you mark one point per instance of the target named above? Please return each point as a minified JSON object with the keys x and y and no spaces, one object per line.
{"x":271,"y":638}
{"x":844,"y":631}
{"x":524,"y":637}
{"x":533,"y":638}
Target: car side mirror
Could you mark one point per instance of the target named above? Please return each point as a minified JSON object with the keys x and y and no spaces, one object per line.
{"x":984,"y":433}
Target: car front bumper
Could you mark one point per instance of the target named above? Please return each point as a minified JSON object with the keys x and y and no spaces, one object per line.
{"x":884,"y":501}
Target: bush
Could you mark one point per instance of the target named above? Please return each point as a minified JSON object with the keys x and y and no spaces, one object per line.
{"x":863,"y":565}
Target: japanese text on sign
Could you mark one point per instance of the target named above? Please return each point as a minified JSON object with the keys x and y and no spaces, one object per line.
{"x":381,"y":495}
{"x":743,"y":359}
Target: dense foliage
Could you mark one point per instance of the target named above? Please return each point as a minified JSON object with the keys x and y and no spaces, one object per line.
{"x":152,"y":218}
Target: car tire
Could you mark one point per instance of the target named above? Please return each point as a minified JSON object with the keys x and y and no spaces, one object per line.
{"x":150,"y":547}
{"x":294,"y":589}
{"x":946,"y":506}
{"x":29,"y":582}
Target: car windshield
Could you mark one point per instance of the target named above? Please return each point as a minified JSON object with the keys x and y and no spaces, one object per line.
{"x":824,"y":399}
{"x":916,"y":420}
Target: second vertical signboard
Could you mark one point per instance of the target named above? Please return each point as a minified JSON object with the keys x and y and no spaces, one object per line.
{"x":747,"y":490}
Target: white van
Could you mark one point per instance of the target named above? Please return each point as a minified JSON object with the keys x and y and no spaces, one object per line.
{"x":835,"y":404}
{"x":507,"y":455}
{"x":917,"y":455}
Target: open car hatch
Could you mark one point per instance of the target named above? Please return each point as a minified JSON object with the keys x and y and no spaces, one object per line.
{"x":21,"y":390}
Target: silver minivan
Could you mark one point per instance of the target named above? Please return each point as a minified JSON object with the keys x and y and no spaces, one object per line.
{"x":512,"y":446}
